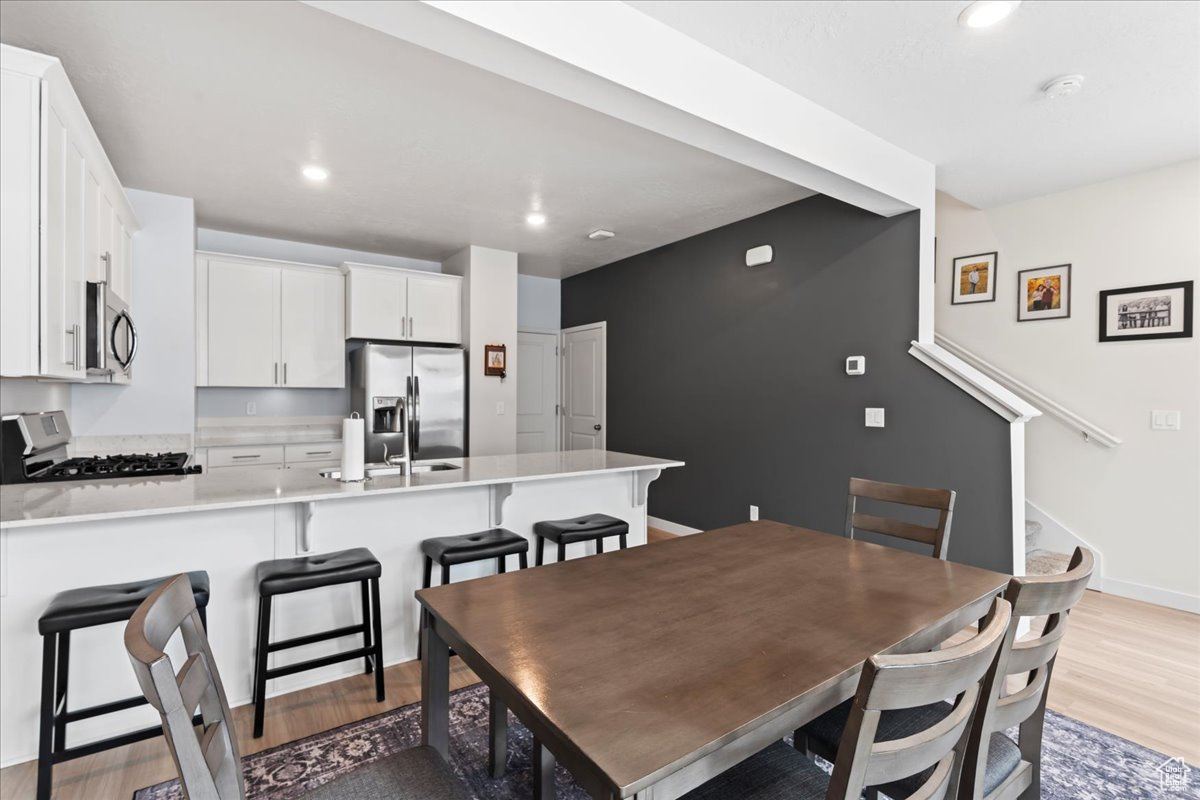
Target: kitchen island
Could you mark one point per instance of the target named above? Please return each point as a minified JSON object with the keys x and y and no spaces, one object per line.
{"x":68,"y":535}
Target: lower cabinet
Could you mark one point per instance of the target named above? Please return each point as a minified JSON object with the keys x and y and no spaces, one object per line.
{"x":312,"y":456}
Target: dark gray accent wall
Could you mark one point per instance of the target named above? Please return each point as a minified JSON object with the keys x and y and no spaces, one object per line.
{"x":740,"y":373}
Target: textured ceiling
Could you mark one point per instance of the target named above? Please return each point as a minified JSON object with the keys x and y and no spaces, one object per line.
{"x":224,"y":102}
{"x":969,"y":100}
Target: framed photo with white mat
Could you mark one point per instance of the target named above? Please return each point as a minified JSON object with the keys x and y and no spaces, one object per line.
{"x":1044,"y":293}
{"x":973,"y":279}
{"x":1155,"y":311}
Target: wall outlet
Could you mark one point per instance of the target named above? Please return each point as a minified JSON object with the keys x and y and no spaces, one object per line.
{"x":1165,"y":421}
{"x":754,"y":513}
{"x":874,"y":418}
{"x":500,"y":408}
{"x":251,"y":409}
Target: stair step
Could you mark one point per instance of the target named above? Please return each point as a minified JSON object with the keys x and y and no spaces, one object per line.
{"x":1045,"y":562}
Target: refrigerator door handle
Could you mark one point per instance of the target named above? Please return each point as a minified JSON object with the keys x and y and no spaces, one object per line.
{"x":410,"y":416}
{"x":416,"y":415}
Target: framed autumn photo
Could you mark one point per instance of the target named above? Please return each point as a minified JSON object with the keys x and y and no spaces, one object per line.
{"x":974,"y":279}
{"x":1044,"y":293}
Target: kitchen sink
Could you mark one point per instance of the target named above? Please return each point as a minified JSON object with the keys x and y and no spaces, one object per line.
{"x":386,"y":470}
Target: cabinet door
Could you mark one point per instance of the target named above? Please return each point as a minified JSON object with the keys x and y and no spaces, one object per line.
{"x":434,"y":310}
{"x":377,"y":306}
{"x":313,"y":328}
{"x":243,"y":325}
{"x":20,"y":153}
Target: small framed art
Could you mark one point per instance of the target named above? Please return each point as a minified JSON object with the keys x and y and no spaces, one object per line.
{"x":974,"y":279}
{"x":1156,"y":311}
{"x":495,"y":360}
{"x":1044,"y":293}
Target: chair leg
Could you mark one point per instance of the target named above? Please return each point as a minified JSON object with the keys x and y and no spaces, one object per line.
{"x":62,"y":669}
{"x":541,"y":547}
{"x":45,"y":776}
{"x":500,"y":565}
{"x":377,"y":635}
{"x":368,"y":662}
{"x":445,"y":574}
{"x":624,"y":541}
{"x":524,"y":560}
{"x":260,"y":663}
{"x":203,"y":612}
{"x":562,"y":552}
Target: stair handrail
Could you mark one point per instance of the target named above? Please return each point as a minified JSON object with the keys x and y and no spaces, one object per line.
{"x":1090,"y":431}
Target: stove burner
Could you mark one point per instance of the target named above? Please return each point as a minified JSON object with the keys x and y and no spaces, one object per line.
{"x":118,"y":466}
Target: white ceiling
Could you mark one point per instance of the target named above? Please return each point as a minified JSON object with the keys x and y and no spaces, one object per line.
{"x":225,"y":102}
{"x":969,"y":100}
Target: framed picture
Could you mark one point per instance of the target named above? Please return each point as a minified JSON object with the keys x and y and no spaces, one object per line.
{"x":1044,"y":293}
{"x":495,"y":360}
{"x":974,"y":279}
{"x":1158,"y":311}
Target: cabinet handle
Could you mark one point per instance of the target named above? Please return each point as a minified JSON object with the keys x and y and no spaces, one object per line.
{"x":285,"y":373}
{"x":404,"y":327}
{"x":318,"y":453}
{"x":411,"y":327}
{"x":107,"y":259}
{"x":276,"y":378}
{"x":256,"y":455}
{"x":73,"y":332}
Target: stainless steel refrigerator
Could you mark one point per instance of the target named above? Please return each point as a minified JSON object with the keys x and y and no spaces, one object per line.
{"x":412,"y":398}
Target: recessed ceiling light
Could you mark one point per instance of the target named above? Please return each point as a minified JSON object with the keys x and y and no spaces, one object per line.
{"x":600,"y":234}
{"x":1063,"y":86}
{"x":315,"y":173}
{"x":535,"y":218}
{"x":985,"y":13}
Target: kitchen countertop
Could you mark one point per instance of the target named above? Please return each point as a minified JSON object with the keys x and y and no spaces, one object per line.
{"x":39,"y":504}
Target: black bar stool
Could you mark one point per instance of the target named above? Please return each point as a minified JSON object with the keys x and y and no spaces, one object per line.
{"x":74,"y":610}
{"x":287,"y":575}
{"x":588,"y":528}
{"x":448,"y":551}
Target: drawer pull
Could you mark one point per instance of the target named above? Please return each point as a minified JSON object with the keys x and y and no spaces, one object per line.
{"x":319,"y":453}
{"x":256,"y":455}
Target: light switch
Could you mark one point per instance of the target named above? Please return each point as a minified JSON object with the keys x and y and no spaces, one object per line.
{"x":874,"y":417}
{"x":1165,"y":420}
{"x":251,"y":409}
{"x":500,"y":408}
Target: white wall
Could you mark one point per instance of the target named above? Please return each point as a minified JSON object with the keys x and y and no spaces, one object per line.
{"x":539,"y":303}
{"x":29,"y":394}
{"x":161,"y":398}
{"x":1137,"y":503}
{"x":489,"y":317}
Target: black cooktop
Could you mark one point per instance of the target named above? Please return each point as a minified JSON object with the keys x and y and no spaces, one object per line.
{"x":122,"y":466}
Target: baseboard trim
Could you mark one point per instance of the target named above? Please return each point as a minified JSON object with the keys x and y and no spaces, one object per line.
{"x":1152,"y":594}
{"x":667,"y":526}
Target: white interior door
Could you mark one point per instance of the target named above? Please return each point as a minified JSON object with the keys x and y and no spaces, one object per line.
{"x":313,"y":328}
{"x":583,"y":392}
{"x":537,"y":392}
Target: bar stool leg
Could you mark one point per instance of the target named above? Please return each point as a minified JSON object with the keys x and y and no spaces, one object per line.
{"x":624,"y":542}
{"x":203,"y":612}
{"x":541,"y":547}
{"x":45,"y":775}
{"x":377,"y":635}
{"x":562,"y":552}
{"x":524,"y":560}
{"x":368,"y":663}
{"x":600,"y":546}
{"x":260,"y":663}
{"x":500,"y":565}
{"x":445,"y":574}
{"x":62,"y":670}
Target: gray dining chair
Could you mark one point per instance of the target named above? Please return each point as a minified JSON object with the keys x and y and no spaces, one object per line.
{"x":889,"y":683}
{"x":936,"y":536}
{"x":206,"y":756}
{"x":994,"y":767}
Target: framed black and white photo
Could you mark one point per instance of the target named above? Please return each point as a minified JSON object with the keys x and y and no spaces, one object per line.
{"x":1158,"y":311}
{"x":1044,"y":293}
{"x":974,"y":279}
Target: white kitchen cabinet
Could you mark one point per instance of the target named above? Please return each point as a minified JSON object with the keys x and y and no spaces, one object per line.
{"x":62,"y":203}
{"x":262,"y":322}
{"x":390,"y":304}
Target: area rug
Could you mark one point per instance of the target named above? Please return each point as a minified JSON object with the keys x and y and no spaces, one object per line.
{"x":1079,"y":762}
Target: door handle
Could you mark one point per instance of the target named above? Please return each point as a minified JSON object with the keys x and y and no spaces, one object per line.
{"x":595,"y":427}
{"x":131,"y":339}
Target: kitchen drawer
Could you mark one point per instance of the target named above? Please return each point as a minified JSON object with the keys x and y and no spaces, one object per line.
{"x":297,"y":453}
{"x":244,"y":456}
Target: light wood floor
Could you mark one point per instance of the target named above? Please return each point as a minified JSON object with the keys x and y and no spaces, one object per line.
{"x":1126,"y":667}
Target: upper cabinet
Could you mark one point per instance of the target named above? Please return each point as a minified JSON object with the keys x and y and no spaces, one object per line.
{"x":268,"y":323}
{"x":66,"y":220}
{"x":386,"y":303}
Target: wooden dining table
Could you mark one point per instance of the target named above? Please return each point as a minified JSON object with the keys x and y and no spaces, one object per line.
{"x":647,"y":671}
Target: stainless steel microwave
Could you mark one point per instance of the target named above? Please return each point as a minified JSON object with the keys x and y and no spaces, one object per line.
{"x":112,"y":338}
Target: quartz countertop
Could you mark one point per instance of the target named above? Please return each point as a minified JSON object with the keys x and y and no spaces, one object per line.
{"x":34,"y":504}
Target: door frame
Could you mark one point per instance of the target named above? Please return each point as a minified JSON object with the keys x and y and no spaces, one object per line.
{"x":562,"y":422}
{"x":558,"y":377}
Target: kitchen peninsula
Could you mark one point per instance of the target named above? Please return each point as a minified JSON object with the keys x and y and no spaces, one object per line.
{"x":62,"y":536}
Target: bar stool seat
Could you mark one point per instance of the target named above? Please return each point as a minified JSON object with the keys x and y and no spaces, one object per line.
{"x":588,"y":528}
{"x":99,"y":605}
{"x":72,"y":610}
{"x":482,"y":546}
{"x":286,"y":575}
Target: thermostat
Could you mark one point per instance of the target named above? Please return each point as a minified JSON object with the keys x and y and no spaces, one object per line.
{"x":856,"y":365}
{"x":757,"y":256}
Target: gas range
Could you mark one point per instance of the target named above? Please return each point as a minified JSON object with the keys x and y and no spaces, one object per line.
{"x":33,"y":449}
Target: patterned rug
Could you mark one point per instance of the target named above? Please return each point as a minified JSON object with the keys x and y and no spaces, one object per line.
{"x":1079,"y":762}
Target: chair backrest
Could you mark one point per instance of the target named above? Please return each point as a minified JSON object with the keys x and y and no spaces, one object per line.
{"x":893,"y":682}
{"x":1051,"y":596}
{"x":208,"y":761}
{"x":941,"y":500}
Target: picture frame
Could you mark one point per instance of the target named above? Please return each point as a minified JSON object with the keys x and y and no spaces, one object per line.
{"x":495,"y":360}
{"x":973,"y":279}
{"x":1044,"y":293}
{"x":1153,"y":311}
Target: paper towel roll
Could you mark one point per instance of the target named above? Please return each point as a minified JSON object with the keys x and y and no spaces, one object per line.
{"x":354,"y":434}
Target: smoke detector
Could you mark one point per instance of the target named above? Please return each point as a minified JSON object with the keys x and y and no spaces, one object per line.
{"x":600,"y":234}
{"x":1063,"y":86}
